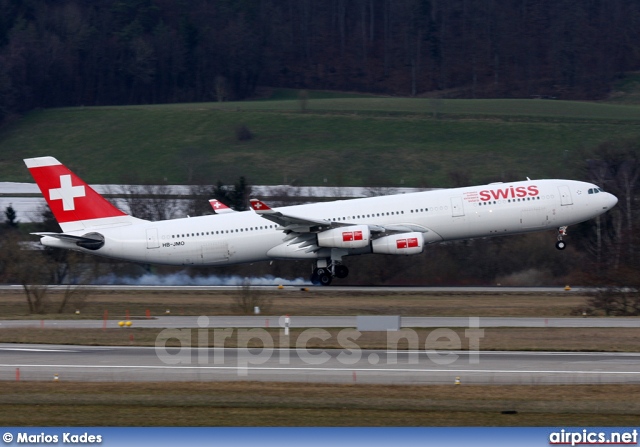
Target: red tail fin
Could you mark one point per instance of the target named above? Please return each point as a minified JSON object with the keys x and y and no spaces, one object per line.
{"x":74,"y":204}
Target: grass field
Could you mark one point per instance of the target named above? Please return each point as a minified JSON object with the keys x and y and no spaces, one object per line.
{"x":338,"y":141}
{"x":280,"y":404}
{"x":493,"y":339}
{"x":297,"y":302}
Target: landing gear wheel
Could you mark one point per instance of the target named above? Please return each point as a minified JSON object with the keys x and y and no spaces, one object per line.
{"x":341,"y":271}
{"x":562,"y":232}
{"x":325,"y":279}
{"x":321,"y":277}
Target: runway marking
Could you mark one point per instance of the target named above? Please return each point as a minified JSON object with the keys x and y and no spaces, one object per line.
{"x":83,"y":348}
{"x":270,"y":368}
{"x":38,"y":350}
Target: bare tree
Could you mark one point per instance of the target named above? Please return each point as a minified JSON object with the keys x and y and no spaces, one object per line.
{"x":615,"y":301}
{"x":375,"y":191}
{"x":247,"y":298}
{"x":615,"y":165}
{"x":25,"y":264}
{"x":221,"y":88}
{"x":150,"y":202}
{"x":287,"y":195}
{"x":75,"y":295}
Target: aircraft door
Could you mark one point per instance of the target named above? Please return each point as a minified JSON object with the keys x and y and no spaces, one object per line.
{"x":457,"y":209}
{"x":565,"y":196}
{"x":152,"y":238}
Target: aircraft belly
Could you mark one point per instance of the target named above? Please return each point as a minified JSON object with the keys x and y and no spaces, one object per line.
{"x":214,"y":252}
{"x":243,"y":249}
{"x":481,"y":222}
{"x":535,"y":218}
{"x":449,"y":228}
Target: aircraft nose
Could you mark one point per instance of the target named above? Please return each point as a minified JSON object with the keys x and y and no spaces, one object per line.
{"x":611,"y":200}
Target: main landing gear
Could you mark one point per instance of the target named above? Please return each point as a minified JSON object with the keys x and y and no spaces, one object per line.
{"x":562,"y":232}
{"x":322,"y":276}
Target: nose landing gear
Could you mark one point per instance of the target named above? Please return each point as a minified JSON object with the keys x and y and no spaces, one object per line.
{"x":561,"y":245}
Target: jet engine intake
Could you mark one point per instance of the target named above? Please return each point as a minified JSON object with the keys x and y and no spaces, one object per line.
{"x":353,"y":236}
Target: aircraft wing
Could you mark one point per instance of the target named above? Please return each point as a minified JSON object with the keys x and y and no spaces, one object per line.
{"x":297,"y":224}
{"x":289,"y":223}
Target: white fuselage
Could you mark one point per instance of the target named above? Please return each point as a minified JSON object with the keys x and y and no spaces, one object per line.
{"x":440,"y":215}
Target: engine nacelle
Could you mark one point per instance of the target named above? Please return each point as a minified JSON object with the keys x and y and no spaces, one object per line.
{"x":399,"y":244}
{"x":353,"y":236}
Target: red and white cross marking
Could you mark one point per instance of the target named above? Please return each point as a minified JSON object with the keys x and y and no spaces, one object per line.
{"x":67,"y":193}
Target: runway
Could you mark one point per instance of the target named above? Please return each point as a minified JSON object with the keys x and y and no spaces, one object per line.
{"x":323,"y":322}
{"x":145,"y":364}
{"x":333,"y":288}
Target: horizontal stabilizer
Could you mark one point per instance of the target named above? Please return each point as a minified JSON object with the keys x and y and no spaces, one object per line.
{"x":91,"y":241}
{"x":67,"y":237}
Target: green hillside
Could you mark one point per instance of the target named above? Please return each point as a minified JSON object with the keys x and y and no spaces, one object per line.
{"x":335,"y":141}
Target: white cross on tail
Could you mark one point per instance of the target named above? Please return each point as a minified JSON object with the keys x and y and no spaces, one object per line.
{"x":67,"y":193}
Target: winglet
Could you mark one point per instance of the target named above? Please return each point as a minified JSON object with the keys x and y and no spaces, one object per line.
{"x":219,"y":207}
{"x":260,"y":207}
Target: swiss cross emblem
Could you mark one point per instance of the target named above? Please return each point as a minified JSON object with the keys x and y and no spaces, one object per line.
{"x":216,"y":204}
{"x":347,"y":236}
{"x":67,"y":193}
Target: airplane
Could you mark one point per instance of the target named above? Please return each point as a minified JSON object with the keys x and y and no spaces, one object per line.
{"x":323,"y":233}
